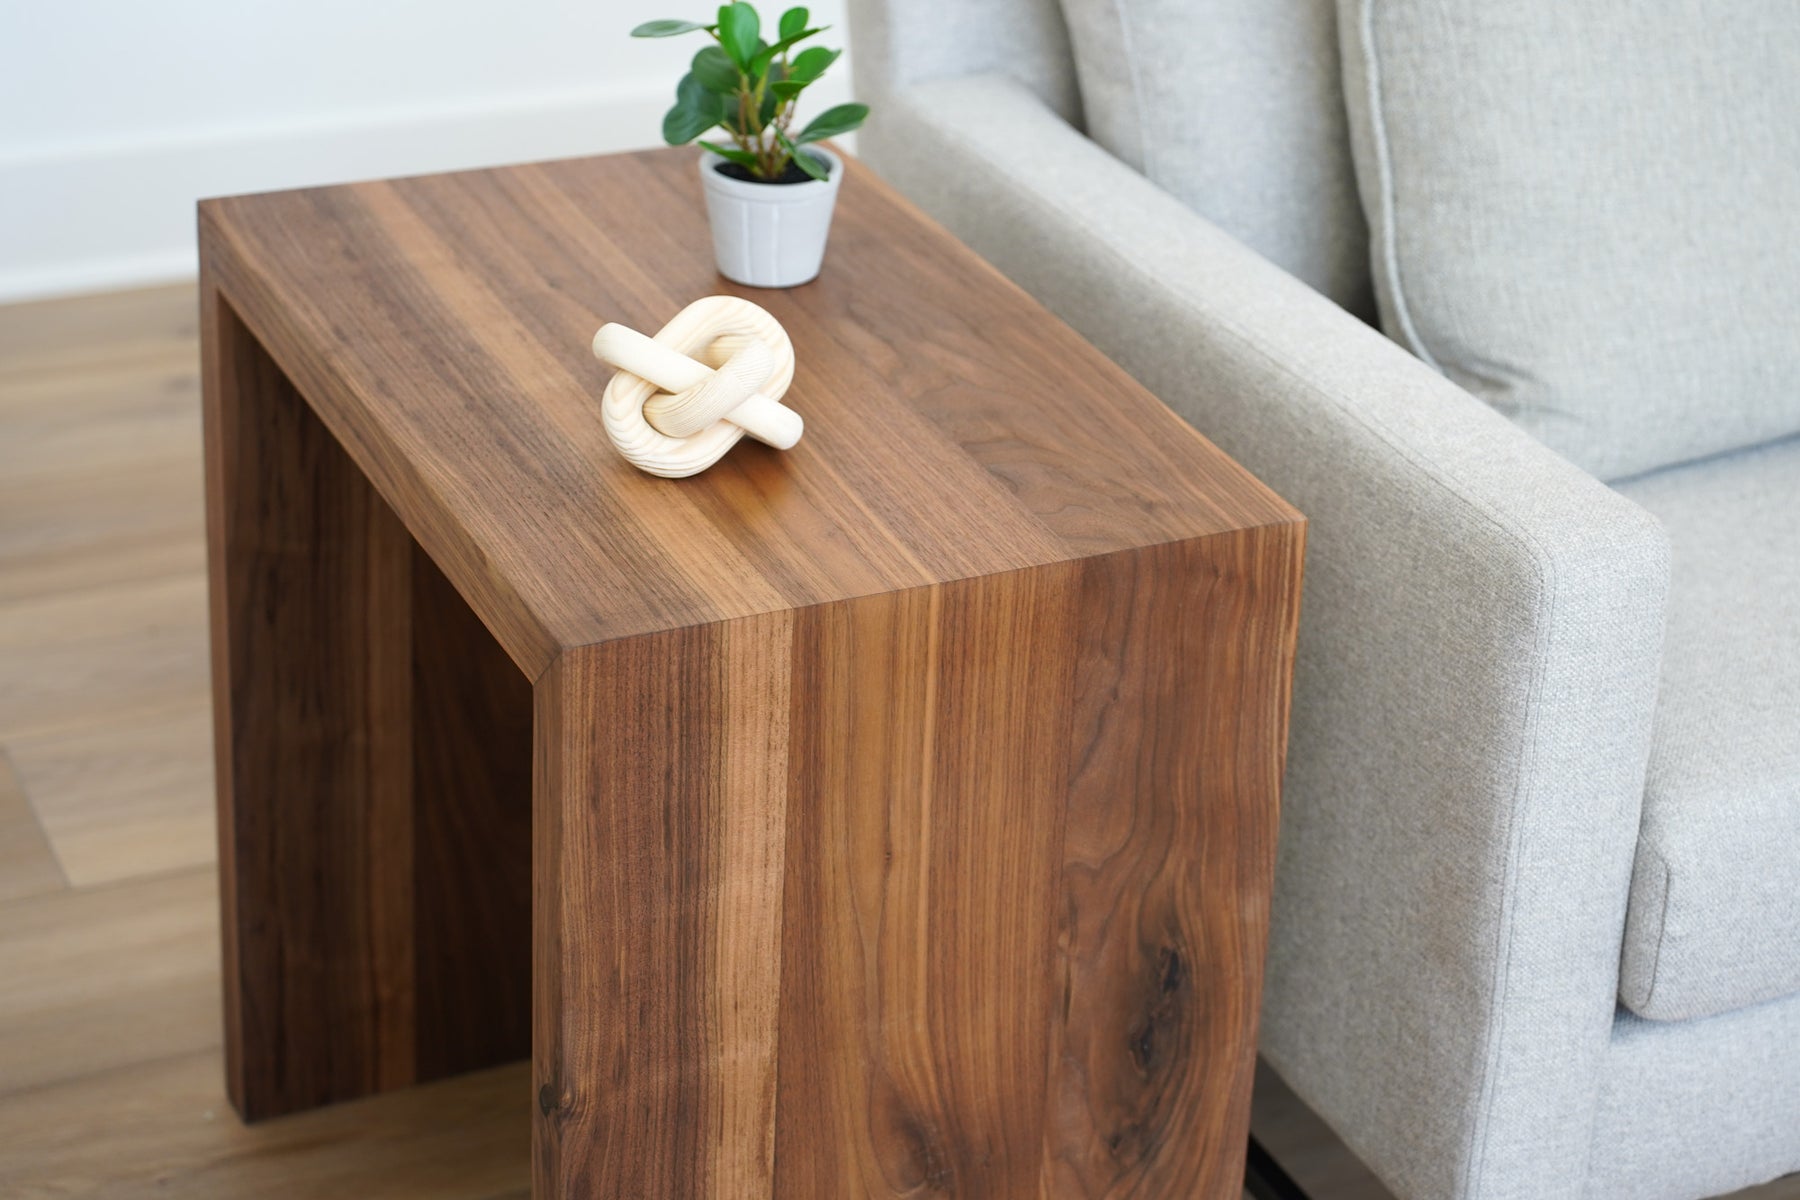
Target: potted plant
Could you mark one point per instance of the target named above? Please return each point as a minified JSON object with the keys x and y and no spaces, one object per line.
{"x":769,"y":190}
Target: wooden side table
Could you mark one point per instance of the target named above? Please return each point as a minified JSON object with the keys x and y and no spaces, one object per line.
{"x":893,"y":815}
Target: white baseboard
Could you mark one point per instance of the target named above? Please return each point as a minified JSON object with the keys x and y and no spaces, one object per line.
{"x":98,"y":275}
{"x":90,"y":217}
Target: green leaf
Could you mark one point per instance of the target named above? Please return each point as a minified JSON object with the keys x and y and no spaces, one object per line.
{"x":729,"y":116}
{"x":742,"y":158}
{"x":792,"y":22}
{"x":683,"y":125}
{"x":834,"y":121}
{"x":696,"y":111}
{"x":787,"y":89}
{"x":808,"y":65}
{"x":809,"y":163}
{"x":770,"y":53}
{"x":738,"y":27}
{"x":665,"y":28}
{"x":715,"y":70}
{"x":759,"y":63}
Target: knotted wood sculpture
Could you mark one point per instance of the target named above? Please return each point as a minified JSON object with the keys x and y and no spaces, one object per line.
{"x":681,"y":399}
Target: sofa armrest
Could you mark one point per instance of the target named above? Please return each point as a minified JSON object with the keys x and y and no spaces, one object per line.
{"x":1477,"y":670}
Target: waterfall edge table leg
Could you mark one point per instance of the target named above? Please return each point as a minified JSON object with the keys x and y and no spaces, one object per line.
{"x":372,"y":759}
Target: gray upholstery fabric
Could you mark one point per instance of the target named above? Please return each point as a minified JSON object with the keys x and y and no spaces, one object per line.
{"x":1714,"y":919}
{"x":1698,"y":1108}
{"x":1235,"y":108}
{"x":894,"y":45}
{"x":1476,"y":675}
{"x":1586,"y":213}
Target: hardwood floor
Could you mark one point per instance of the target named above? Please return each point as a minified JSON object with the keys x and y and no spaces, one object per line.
{"x":111,"y":1079}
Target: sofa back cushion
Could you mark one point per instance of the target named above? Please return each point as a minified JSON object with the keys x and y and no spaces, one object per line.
{"x":1589,"y":214}
{"x":901,"y":43}
{"x":1236,"y":107}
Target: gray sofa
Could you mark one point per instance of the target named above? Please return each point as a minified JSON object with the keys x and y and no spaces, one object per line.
{"x":1537,"y":919}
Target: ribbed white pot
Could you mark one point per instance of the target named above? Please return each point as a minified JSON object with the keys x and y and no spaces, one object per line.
{"x":769,"y":234}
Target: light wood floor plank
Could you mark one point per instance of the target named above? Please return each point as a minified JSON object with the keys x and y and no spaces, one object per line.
{"x":100,"y":478}
{"x":112,"y":1085}
{"x":84,"y":658}
{"x":83,"y":427}
{"x":103,"y":708}
{"x":27,"y":865}
{"x":74,"y":333}
{"x":135,"y":521}
{"x":164,"y":1129}
{"x":93,"y":980}
{"x":127,"y":795}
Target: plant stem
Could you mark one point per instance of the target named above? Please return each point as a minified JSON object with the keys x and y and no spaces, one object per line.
{"x":761,"y":142}
{"x":740,"y":132}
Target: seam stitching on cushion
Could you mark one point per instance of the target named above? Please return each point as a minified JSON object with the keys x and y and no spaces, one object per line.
{"x":1384,"y":173}
{"x":1662,"y":929}
{"x":1137,"y":88}
{"x":1480,"y":1133}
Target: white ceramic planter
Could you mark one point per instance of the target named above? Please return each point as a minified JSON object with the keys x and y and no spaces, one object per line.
{"x":769,"y":234}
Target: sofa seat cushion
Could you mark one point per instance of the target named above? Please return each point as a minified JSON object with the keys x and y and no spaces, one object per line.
{"x":1584,"y":213}
{"x":1714,"y":917}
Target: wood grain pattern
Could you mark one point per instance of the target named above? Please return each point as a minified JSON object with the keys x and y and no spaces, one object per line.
{"x":309,"y":603}
{"x":1028,"y":881}
{"x":440,"y":327}
{"x":1168,"y":858}
{"x":660,"y":833}
{"x":1008,"y":842}
{"x":926,"y":829}
{"x":472,"y":840}
{"x":358,"y":787}
{"x":902,"y":805}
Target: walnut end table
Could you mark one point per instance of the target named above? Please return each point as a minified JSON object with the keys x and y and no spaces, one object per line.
{"x":894,"y":814}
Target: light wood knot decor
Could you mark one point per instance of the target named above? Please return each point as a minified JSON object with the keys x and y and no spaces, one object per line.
{"x":681,"y":399}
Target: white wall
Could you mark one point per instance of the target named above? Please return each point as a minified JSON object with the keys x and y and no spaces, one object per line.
{"x":117,"y":115}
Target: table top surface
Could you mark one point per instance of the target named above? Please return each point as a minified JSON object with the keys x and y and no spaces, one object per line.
{"x":440,"y":327}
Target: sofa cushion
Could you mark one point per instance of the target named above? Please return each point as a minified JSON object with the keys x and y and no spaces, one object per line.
{"x":1233,"y":106}
{"x":1586,"y":213}
{"x":1714,"y":918}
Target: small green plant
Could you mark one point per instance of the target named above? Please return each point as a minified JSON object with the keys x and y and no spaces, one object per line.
{"x":748,"y":87}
